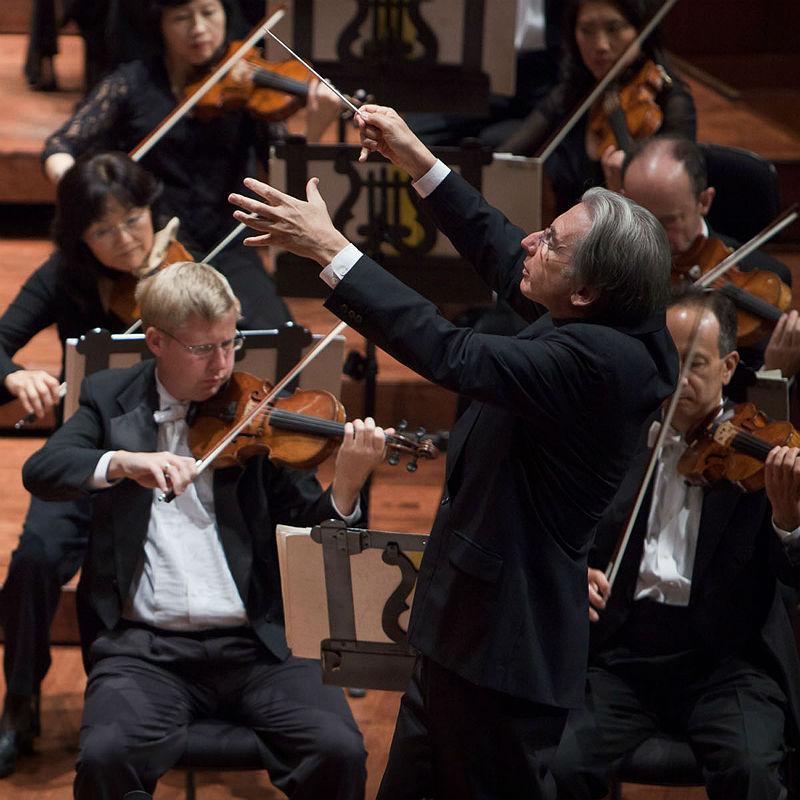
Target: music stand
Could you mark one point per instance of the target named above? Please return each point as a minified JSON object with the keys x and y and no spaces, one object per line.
{"x":345,"y":592}
{"x":266,"y":353}
{"x":374,"y":205}
{"x":415,"y":55}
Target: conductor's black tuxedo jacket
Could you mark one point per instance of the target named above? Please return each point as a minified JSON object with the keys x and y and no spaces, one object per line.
{"x":501,"y":596}
{"x":737,"y":604}
{"x":116,"y":413}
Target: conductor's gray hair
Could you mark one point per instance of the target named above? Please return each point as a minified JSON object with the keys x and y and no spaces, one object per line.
{"x":625,"y":256}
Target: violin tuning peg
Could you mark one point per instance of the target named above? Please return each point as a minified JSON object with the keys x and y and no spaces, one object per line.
{"x":412,"y":465}
{"x":401,"y":426}
{"x":393,"y":458}
{"x":420,"y":433}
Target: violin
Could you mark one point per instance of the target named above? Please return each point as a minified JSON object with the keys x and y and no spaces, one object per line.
{"x":269,"y":90}
{"x":735,"y":448}
{"x":760,"y":296}
{"x":627,"y":112}
{"x":300,"y":430}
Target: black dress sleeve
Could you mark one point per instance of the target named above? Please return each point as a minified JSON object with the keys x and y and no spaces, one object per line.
{"x":677,"y":106}
{"x":31,"y":311}
{"x":93,"y":124}
{"x":538,"y":125}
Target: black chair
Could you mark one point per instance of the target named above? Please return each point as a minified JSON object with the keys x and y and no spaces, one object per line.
{"x":661,"y":760}
{"x":747,"y":198}
{"x":218,"y":745}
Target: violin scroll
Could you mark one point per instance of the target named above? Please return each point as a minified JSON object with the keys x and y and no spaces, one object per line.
{"x":419,"y":444}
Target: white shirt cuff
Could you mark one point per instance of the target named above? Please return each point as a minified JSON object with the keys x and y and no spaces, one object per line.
{"x":431,"y":179}
{"x":786,"y":536}
{"x":348,"y":519}
{"x":342,"y":263}
{"x":99,"y":479}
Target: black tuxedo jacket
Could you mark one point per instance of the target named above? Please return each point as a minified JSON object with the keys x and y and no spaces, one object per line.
{"x":501,"y":595}
{"x":736,"y":604}
{"x":116,"y":413}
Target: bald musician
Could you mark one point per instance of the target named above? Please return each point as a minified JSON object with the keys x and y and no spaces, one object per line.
{"x":694,"y":638}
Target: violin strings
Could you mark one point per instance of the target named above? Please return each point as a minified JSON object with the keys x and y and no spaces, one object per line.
{"x":291,"y":420}
{"x":751,"y":445}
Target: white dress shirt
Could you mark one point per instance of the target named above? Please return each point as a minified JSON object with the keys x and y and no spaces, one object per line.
{"x":673,"y":525}
{"x":183,"y":581}
{"x":530,"y":31}
{"x":665,"y":571}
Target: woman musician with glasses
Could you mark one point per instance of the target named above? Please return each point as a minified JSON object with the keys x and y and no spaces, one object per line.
{"x":106,"y":238}
{"x":200,"y":161}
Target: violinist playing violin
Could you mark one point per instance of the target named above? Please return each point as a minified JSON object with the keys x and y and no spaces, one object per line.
{"x":187,"y":594}
{"x":667,"y":175}
{"x":694,"y":638}
{"x":200,"y":160}
{"x":108,"y":230}
{"x":596,"y":33}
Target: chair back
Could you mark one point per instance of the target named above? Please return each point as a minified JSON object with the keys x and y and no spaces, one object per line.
{"x":747,"y":197}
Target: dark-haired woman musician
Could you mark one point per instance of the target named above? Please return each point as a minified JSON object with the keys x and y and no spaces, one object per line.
{"x":199,"y":161}
{"x":105,"y":232}
{"x":595,"y":34}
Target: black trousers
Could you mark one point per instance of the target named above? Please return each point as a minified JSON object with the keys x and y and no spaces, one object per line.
{"x":457,"y":741}
{"x":732,"y":712}
{"x":147,"y":686}
{"x":49,"y":553}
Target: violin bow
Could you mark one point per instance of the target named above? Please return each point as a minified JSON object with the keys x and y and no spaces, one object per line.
{"x":605,"y":81}
{"x":203,"y":463}
{"x":614,"y":564}
{"x":773,"y":229}
{"x":262,"y":29}
{"x":186,"y":105}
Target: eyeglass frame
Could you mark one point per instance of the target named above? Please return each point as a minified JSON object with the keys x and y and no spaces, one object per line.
{"x":197,"y":350}
{"x":545,"y":239}
{"x":133,"y":221}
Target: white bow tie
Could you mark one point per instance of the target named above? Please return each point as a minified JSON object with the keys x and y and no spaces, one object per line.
{"x":171,"y":413}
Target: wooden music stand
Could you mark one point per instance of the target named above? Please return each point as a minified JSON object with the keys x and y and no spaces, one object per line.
{"x":374,"y":205}
{"x":445,"y":56}
{"x":346,"y":599}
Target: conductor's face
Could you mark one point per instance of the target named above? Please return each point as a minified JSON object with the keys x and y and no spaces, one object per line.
{"x":196,"y":358}
{"x":547,"y":274}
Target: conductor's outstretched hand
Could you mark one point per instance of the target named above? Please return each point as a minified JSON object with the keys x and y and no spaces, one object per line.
{"x":302,"y":227}
{"x":384,"y":131}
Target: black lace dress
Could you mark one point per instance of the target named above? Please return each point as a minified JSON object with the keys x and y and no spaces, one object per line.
{"x":199,"y":162}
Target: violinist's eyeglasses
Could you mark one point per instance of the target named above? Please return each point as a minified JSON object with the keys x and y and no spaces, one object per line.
{"x":206,"y":350}
{"x":131,"y":223}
